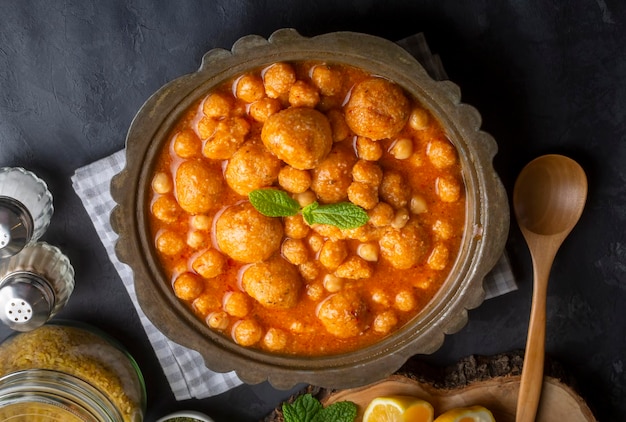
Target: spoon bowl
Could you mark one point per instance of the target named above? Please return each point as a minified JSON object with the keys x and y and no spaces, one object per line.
{"x":548,"y":199}
{"x":549,"y":195}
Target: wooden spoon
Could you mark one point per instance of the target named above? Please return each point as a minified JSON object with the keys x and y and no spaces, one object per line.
{"x":548,"y":198}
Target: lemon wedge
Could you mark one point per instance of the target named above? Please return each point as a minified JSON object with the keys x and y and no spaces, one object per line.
{"x":398,"y":409}
{"x":466,"y":414}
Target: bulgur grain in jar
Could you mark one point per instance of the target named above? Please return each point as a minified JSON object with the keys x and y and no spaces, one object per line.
{"x":69,"y":372}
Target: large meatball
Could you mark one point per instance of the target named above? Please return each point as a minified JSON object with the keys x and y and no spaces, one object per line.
{"x":251,"y":167}
{"x":404,"y":247}
{"x":344,"y":314}
{"x":332,"y":177}
{"x":377,"y":109}
{"x":274,"y":283}
{"x":198,"y":186}
{"x":301,"y":137}
{"x":246,"y":235}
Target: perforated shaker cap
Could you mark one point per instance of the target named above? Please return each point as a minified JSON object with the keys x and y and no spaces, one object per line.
{"x":16,"y":226}
{"x":26,"y":301}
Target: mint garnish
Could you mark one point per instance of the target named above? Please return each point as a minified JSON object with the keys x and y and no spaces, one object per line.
{"x":344,"y":215}
{"x":278,"y":203}
{"x":343,"y":411}
{"x":273,"y":202}
{"x":307,"y":408}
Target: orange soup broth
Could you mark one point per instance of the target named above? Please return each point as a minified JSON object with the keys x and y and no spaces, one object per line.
{"x":311,"y":338}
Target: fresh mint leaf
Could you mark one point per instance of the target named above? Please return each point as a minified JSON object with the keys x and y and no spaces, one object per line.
{"x":307,"y":212}
{"x":343,"y":411}
{"x":307,"y":408}
{"x":273,"y":202}
{"x":303,"y":409}
{"x":278,"y":203}
{"x":344,"y":215}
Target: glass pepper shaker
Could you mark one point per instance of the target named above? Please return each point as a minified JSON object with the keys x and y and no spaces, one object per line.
{"x":34,"y":285}
{"x":25,"y":209}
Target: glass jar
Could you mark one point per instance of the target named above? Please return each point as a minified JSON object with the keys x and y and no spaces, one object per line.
{"x":70,"y":372}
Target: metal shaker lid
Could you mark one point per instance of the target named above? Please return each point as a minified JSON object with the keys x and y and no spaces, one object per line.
{"x":16,"y":226}
{"x":26,"y":301}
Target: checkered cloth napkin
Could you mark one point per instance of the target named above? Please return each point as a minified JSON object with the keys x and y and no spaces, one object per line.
{"x":185,"y":369}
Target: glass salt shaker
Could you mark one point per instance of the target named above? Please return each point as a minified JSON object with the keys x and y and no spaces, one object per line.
{"x":34,"y":285}
{"x":25,"y":209}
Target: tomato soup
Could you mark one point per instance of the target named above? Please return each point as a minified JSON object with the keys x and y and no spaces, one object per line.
{"x":308,"y":133}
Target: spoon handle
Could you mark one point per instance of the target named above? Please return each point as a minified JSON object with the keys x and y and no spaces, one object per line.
{"x":532,"y":370}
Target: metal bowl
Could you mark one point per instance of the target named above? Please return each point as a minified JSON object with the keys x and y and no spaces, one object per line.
{"x":486,"y":229}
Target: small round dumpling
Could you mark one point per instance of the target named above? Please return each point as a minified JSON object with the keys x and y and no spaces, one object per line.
{"x":441,"y":153}
{"x":274,"y":283}
{"x":332,"y":177}
{"x":169,"y":243}
{"x":246,"y":235}
{"x":249,"y":88}
{"x":301,"y":137}
{"x":344,"y":314}
{"x":229,"y":134}
{"x":448,"y":188}
{"x":247,"y":332}
{"x":166,"y":209}
{"x":186,"y":144}
{"x":377,"y":109}
{"x":251,"y":167}
{"x":278,"y":78}
{"x":209,"y":263}
{"x":326,"y":79}
{"x":198,"y":186}
{"x":403,"y":248}
{"x":188,"y":286}
{"x":394,"y":189}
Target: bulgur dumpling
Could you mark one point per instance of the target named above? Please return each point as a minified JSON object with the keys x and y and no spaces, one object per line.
{"x":301,"y":137}
{"x":278,"y":78}
{"x":404,"y":248}
{"x":344,"y":314}
{"x":209,"y":263}
{"x":229,"y":134}
{"x":246,"y":235}
{"x":441,"y":153}
{"x":166,"y":209}
{"x":332,"y":177}
{"x":198,"y":186}
{"x":394,"y":189}
{"x":188,"y":286}
{"x":377,"y":109}
{"x":186,"y":144}
{"x":274,"y":283}
{"x":251,"y":167}
{"x":247,"y":332}
{"x":249,"y":88}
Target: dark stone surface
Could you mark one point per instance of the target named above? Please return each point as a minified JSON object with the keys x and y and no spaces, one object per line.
{"x":547,"y":77}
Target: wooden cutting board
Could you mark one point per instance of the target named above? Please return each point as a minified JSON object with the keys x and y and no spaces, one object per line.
{"x":492,"y":382}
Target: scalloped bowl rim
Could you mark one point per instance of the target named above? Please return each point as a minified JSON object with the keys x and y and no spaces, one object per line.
{"x":486,"y":230}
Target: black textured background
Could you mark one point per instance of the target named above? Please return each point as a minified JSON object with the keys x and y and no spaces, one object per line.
{"x":547,"y":77}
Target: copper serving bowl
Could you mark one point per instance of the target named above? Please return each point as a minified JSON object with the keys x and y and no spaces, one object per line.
{"x":486,"y":223}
